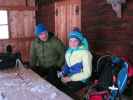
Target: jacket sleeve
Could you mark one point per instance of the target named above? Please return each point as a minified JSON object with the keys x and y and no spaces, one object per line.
{"x":33,"y":56}
{"x":65,"y":69}
{"x":87,"y":68}
{"x":61,"y":53}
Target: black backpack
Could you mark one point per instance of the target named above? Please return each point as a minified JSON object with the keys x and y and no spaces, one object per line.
{"x":8,"y":60}
{"x":102,"y":70}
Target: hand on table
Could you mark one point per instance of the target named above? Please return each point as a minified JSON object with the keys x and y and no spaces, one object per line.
{"x":66,"y":79}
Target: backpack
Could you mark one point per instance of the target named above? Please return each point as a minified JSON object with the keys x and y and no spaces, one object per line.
{"x":8,"y":60}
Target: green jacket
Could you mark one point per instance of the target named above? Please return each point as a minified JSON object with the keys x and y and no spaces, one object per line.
{"x":47,"y":54}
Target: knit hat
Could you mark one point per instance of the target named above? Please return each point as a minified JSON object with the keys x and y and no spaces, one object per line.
{"x":77,"y":29}
{"x":39,"y":29}
{"x":77,"y":35}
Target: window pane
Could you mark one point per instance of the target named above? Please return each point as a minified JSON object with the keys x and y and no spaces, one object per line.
{"x":4,"y":32}
{"x":3,"y":17}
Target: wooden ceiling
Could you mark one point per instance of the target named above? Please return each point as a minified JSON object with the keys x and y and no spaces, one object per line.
{"x":42,"y":2}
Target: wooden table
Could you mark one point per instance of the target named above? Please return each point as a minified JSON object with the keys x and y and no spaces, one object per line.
{"x":24,"y":84}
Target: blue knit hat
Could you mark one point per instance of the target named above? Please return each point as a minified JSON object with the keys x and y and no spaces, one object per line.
{"x":77,"y":35}
{"x":39,"y":29}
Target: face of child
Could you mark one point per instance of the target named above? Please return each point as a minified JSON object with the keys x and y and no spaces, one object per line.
{"x":74,"y":43}
{"x":43,"y":36}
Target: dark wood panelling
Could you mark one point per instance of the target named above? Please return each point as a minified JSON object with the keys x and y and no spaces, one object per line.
{"x":17,"y":2}
{"x":61,"y":16}
{"x":73,"y":14}
{"x":106,"y":32}
{"x":20,"y":7}
{"x":45,"y":14}
{"x":17,"y":5}
{"x":67,"y":16}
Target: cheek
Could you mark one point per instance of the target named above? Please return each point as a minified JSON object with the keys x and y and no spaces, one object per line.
{"x":43,"y":36}
{"x":73,"y":44}
{"x":70,"y":44}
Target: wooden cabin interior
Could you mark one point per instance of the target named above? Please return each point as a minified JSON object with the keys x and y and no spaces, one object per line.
{"x":107,"y":34}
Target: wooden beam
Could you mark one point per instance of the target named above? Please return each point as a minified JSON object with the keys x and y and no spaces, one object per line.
{"x":18,"y":7}
{"x":19,"y":39}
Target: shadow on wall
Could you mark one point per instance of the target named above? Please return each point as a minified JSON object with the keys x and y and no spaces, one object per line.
{"x":130,"y":54}
{"x":99,"y":43}
{"x":103,"y":44}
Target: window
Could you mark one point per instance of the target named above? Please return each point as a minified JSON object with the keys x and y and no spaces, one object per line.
{"x":4,"y":31}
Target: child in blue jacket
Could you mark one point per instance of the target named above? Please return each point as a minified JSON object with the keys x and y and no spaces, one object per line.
{"x":78,"y":67}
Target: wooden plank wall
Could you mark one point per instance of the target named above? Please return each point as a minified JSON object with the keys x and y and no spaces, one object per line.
{"x":45,"y":15}
{"x":61,"y":16}
{"x":17,"y":2}
{"x":106,"y":32}
{"x":21,"y":26}
{"x":61,"y":19}
{"x":68,"y":16}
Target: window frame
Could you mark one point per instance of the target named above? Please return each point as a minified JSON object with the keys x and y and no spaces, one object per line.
{"x":8,"y":24}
